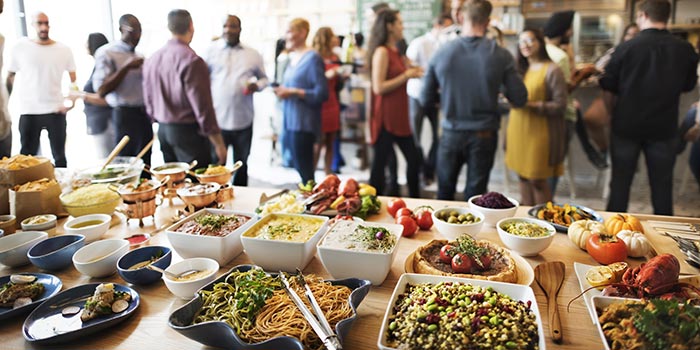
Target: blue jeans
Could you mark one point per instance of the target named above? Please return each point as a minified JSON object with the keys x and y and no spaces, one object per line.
{"x":301,"y":145}
{"x":240,"y":141}
{"x":475,"y":148}
{"x":134,"y":122}
{"x":660,"y":157}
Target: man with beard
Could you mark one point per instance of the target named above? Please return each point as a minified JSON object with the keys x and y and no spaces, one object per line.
{"x":5,"y":119}
{"x":236,"y":72}
{"x":118,"y":79}
{"x":40,"y":63}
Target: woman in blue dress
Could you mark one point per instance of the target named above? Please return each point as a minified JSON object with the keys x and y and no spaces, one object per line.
{"x":303,"y":91}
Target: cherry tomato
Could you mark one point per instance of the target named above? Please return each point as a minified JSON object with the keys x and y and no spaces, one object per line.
{"x":409,"y":225}
{"x":404,"y":212}
{"x":447,"y":252}
{"x":485,"y":262}
{"x":606,"y":249}
{"x":394,"y":205}
{"x":424,"y":219}
{"x":461,"y":263}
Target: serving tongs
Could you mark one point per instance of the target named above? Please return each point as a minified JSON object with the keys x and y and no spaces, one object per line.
{"x":316,"y":318}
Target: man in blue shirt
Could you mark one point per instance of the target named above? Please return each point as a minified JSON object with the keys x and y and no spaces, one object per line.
{"x":643,"y":82}
{"x":118,"y":79}
{"x":469,"y":72}
{"x":236,"y":72}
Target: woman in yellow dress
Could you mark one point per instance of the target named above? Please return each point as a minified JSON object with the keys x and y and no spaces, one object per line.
{"x":536,"y":135}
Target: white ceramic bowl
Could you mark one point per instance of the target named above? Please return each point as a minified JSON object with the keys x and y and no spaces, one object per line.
{"x":522,"y":245}
{"x":221,"y":249}
{"x":92,"y":232}
{"x":47,"y":225}
{"x":276,"y":255}
{"x":452,"y":231}
{"x":99,"y":259}
{"x":14,"y":247}
{"x":187,"y":289}
{"x":342,"y":262}
{"x":492,"y":216}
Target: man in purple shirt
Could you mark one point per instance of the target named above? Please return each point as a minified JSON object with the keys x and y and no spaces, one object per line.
{"x":177,"y":94}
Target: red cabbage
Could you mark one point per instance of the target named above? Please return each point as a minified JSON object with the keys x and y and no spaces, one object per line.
{"x":493,"y":200}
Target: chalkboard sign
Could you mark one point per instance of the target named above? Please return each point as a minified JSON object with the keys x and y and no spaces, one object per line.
{"x":417,"y":15}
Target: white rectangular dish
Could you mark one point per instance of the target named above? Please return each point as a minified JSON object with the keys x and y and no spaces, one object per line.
{"x":344,"y":262}
{"x":514,"y":291}
{"x":275,"y":254}
{"x":222,"y":249}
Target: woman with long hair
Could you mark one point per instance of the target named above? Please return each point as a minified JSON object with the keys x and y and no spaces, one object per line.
{"x":330,"y":110}
{"x":389,"y":122}
{"x":304,"y":89}
{"x":535,"y":138}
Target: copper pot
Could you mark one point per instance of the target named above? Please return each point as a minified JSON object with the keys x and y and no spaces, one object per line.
{"x":221,"y":179}
{"x":140,"y":209}
{"x":177,"y":171}
{"x":128,"y":195}
{"x":199,"y":195}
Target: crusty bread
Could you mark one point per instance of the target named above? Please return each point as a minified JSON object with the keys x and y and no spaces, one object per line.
{"x":503,"y":269}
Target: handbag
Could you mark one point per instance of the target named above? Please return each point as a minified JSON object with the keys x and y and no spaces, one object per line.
{"x":597,"y":115}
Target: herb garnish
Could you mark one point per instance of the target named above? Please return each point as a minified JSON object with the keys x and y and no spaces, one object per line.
{"x":467,"y":245}
{"x":214,"y":221}
{"x":659,"y":320}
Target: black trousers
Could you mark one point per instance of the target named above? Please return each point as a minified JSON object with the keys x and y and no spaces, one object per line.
{"x":183,"y":143}
{"x":384,"y":143}
{"x":660,"y":157}
{"x":30,"y":126}
{"x":134,"y":122}
{"x":240,"y":141}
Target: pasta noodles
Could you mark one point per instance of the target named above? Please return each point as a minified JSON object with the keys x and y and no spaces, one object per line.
{"x":257,"y":307}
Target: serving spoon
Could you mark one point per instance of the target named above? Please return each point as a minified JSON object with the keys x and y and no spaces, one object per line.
{"x":550,"y":276}
{"x":170,"y":274}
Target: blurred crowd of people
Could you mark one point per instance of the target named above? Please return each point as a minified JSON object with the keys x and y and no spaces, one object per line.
{"x":459,"y":70}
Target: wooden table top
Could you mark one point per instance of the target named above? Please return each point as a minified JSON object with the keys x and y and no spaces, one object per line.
{"x":148,"y":327}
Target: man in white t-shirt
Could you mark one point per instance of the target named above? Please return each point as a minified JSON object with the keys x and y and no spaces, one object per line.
{"x":37,"y":65}
{"x":5,"y":119}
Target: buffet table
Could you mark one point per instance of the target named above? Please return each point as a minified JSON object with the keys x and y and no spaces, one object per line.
{"x":148,"y":327}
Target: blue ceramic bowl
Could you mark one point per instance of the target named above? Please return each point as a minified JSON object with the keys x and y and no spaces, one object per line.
{"x":220,"y":334}
{"x":55,"y":253}
{"x":144,"y":275}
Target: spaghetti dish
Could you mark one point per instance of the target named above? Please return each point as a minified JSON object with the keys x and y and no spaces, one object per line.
{"x":651,"y":325}
{"x":213,"y":225}
{"x":258,"y":308}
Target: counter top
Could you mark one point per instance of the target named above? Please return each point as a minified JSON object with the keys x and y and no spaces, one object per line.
{"x":148,"y":327}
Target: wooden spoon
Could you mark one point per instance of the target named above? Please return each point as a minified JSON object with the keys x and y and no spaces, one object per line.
{"x":116,"y":151}
{"x":143,"y":151}
{"x":550,"y":276}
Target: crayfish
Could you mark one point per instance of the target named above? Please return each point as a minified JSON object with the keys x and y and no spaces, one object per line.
{"x":657,"y":278}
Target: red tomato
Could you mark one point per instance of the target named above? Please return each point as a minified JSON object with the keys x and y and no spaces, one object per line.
{"x":404,"y":212}
{"x":461,"y":263}
{"x":424,"y":218}
{"x":606,"y":249}
{"x":394,"y":205}
{"x":409,"y":225}
{"x":447,"y":252}
{"x":485,"y":262}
